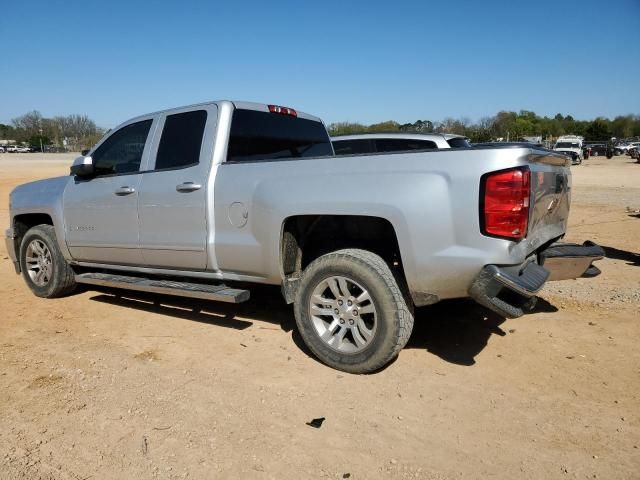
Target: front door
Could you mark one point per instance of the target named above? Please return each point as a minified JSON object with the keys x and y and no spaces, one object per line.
{"x":172,"y":204}
{"x":101,"y":213}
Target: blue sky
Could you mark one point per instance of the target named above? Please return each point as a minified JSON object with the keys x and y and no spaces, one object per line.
{"x":364,"y":61}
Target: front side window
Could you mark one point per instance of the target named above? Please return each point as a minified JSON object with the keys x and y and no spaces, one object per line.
{"x":401,"y":145}
{"x":122,"y":151}
{"x":181,"y":140}
{"x":266,"y":136}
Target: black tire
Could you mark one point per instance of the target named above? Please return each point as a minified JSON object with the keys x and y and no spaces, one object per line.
{"x":393,"y":317}
{"x":62,"y":278}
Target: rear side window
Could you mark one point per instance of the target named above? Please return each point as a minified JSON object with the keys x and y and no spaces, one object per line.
{"x":265,"y":136}
{"x":403,"y":144}
{"x":181,"y":140}
{"x":122,"y":151}
{"x":459,"y":142}
{"x":350,"y":147}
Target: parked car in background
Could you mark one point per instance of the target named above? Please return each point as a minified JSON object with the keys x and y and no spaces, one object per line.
{"x":621,"y":148}
{"x":23,"y":149}
{"x":1,"y":149}
{"x":601,"y":149}
{"x":508,"y":144}
{"x":570,"y":145}
{"x":633,"y":146}
{"x":396,"y":142}
{"x":12,"y":148}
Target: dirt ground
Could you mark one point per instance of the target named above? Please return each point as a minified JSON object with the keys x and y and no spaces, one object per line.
{"x":100,"y":386}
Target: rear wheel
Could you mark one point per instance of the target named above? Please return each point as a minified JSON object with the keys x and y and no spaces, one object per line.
{"x":351,"y":312}
{"x":44,"y":269}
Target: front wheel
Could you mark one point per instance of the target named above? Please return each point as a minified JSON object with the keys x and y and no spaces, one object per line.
{"x":44,"y":269}
{"x":351,"y":312}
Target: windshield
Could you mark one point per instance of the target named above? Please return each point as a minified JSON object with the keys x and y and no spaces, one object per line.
{"x":459,"y":142}
{"x":567,"y":145}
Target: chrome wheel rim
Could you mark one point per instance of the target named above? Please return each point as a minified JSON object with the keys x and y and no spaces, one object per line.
{"x":39,"y":265}
{"x":343,"y":314}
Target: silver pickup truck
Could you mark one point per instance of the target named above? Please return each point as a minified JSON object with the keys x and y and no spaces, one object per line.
{"x":202,"y":201}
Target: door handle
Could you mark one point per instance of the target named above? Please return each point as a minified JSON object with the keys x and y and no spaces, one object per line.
{"x":188,"y":187}
{"x":124,"y":191}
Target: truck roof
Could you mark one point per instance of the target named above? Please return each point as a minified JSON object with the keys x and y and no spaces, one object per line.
{"x":261,"y":107}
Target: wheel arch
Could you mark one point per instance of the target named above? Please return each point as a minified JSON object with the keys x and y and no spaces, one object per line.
{"x":22,"y":223}
{"x":303,"y":238}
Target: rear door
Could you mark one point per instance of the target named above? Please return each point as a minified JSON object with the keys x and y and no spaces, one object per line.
{"x":173,"y":192}
{"x":101,"y":213}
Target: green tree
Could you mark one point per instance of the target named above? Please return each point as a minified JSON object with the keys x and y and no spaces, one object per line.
{"x":346,"y":128}
{"x":598,"y":130}
{"x":37,"y":140}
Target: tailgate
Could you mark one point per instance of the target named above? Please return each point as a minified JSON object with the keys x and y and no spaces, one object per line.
{"x":550,"y":198}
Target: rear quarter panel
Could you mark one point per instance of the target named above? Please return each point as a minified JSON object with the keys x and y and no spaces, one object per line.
{"x":430,"y":198}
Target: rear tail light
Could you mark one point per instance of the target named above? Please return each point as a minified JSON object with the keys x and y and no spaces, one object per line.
{"x":504,"y":203}
{"x":283,"y":110}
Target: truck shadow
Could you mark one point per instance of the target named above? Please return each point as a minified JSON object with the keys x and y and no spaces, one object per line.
{"x":265,"y":305}
{"x":630,"y":257}
{"x":454,"y":330}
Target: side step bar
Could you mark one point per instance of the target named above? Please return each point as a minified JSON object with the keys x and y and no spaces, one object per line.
{"x":219,"y":293}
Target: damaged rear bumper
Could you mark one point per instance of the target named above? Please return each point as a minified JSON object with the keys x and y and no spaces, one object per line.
{"x":509,"y":290}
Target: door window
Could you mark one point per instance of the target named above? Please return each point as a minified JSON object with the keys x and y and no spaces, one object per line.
{"x":181,"y":140}
{"x":122,"y":151}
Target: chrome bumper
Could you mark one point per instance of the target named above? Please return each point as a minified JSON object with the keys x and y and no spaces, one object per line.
{"x":570,"y":260}
{"x":10,"y":244}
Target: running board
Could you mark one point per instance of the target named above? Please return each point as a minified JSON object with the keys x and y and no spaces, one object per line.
{"x":220,"y":293}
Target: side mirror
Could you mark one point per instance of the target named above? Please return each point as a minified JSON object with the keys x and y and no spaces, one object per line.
{"x":84,"y":152}
{"x":82,"y":167}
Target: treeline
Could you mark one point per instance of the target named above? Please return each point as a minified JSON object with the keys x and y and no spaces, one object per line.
{"x":71,"y":132}
{"x":507,"y":125}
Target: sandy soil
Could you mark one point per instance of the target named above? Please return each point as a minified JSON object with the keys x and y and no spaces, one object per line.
{"x":99,"y":385}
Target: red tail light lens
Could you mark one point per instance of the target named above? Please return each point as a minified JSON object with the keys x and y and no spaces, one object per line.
{"x":283,"y":110}
{"x":505,"y":203}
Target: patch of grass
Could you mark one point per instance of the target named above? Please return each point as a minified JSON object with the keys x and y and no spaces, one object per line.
{"x":44,"y":381}
{"x":149,"y":355}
